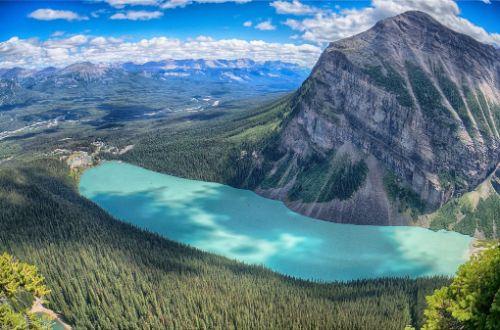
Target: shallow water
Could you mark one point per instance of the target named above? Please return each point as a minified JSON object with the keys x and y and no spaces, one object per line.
{"x":242,"y":225}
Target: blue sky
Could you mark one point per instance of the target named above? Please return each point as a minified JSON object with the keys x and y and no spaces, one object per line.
{"x":303,"y":27}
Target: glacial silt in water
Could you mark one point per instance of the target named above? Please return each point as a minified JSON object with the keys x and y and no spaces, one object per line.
{"x":240,"y":224}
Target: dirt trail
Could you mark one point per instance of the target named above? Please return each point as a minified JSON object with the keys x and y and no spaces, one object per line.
{"x":39,"y":308}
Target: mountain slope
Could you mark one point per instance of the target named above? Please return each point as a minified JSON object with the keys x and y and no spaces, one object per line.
{"x":391,"y":123}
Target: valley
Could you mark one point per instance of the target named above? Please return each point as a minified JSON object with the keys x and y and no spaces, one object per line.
{"x":254,"y":194}
{"x":84,"y":98}
{"x":104,"y":272}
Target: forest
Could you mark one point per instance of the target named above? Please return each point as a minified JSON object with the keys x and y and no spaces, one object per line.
{"x":106,"y":274}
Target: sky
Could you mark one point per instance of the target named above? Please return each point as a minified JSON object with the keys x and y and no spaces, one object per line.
{"x":37,"y":34}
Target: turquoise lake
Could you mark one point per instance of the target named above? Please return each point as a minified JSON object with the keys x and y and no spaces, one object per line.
{"x":241,"y":225}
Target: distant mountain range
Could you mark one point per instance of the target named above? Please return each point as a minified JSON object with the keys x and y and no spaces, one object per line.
{"x":19,"y":84}
{"x":104,"y":96}
{"x":242,"y":71}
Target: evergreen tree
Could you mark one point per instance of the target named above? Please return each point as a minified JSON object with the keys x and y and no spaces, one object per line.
{"x":472,"y":301}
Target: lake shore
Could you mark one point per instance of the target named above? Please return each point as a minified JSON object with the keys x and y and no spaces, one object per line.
{"x":242,"y":225}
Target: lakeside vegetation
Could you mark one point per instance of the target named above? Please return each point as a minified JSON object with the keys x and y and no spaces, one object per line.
{"x":474,"y":213}
{"x":103,"y":272}
{"x":462,"y":216}
{"x":220,"y":150}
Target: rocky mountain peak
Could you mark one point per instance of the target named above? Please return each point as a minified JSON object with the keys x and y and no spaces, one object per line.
{"x":416,"y":102}
{"x":409,"y":20}
{"x":414,"y":34}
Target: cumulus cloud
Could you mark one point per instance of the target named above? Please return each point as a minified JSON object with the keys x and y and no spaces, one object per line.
{"x":247,"y":24}
{"x":34,"y":53}
{"x":175,"y":3}
{"x":47,"y":14}
{"x":265,"y":26}
{"x":293,"y":8}
{"x":137,"y":15}
{"x":57,"y":34}
{"x":97,"y":13}
{"x":123,"y":3}
{"x":328,"y":26}
{"x":164,"y":4}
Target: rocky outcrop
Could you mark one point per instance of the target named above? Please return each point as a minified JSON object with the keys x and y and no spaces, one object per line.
{"x":413,"y":110}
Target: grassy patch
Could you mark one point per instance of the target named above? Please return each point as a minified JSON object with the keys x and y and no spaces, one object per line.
{"x":8,"y":150}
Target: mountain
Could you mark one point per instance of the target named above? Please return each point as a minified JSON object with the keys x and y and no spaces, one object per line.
{"x":273,"y":75}
{"x":242,"y":70}
{"x":128,"y":91}
{"x":392,"y":123}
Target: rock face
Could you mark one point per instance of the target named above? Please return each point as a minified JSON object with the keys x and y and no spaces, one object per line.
{"x":391,"y":123}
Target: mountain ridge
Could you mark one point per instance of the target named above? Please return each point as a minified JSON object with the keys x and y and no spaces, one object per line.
{"x":421,"y":111}
{"x":223,"y":77}
{"x":19,"y":73}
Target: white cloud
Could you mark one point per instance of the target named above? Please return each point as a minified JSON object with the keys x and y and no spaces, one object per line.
{"x":98,"y":41}
{"x":175,"y":3}
{"x":72,"y":42}
{"x":164,"y":4}
{"x":265,"y":26}
{"x":33,"y":53}
{"x":47,"y":14}
{"x":204,"y":38}
{"x":123,"y":3}
{"x":293,"y":8}
{"x":294,"y":24}
{"x":168,"y":4}
{"x":137,"y":15}
{"x":57,"y":34}
{"x":327,"y":26}
{"x":97,"y":13}
{"x":247,"y":24}
{"x":221,"y":1}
